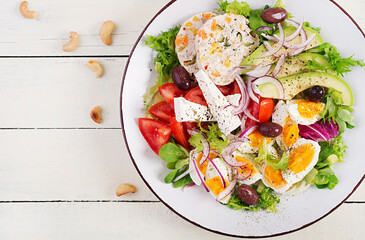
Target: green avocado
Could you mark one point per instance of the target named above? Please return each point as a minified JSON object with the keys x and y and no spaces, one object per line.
{"x":254,"y":60}
{"x":297,"y":83}
{"x":296,"y":65}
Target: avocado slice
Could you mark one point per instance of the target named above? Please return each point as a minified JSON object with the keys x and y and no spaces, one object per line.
{"x":297,"y":83}
{"x":254,"y":60}
{"x":296,"y":65}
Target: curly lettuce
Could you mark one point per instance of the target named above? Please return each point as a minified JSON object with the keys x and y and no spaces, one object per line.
{"x":336,"y":63}
{"x":165,"y":61}
{"x":267,"y":200}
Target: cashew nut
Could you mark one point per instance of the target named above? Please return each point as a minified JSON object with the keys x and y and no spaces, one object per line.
{"x":125,"y":188}
{"x":25,"y":12}
{"x":105,"y":31}
{"x":95,"y":114}
{"x":73,"y":42}
{"x":96,"y":67}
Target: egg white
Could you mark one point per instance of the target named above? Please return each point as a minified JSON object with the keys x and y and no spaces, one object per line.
{"x":254,"y":176}
{"x":292,"y":107}
{"x":248,"y":148}
{"x":292,"y":177}
{"x":279,"y":116}
{"x":224,"y":169}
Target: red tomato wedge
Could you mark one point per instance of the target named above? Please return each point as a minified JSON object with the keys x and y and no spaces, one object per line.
{"x":155,"y":132}
{"x":169,"y":91}
{"x":266,"y":109}
{"x":163,"y":111}
{"x":196,"y":95}
{"x":180,"y":133}
{"x":254,"y":108}
{"x":230,"y":89}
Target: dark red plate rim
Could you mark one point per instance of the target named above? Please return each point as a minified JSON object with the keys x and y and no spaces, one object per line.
{"x":135,"y":165}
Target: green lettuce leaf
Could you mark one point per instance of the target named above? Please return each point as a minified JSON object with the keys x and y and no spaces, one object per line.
{"x":336,"y":63}
{"x":214,"y":136}
{"x":272,"y":160}
{"x":239,"y":8}
{"x":336,"y":111}
{"x":267,"y":200}
{"x":165,"y":60}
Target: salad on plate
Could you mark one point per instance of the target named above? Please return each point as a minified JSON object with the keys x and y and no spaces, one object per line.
{"x":249,"y":104}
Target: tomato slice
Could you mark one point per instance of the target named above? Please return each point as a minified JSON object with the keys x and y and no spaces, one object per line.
{"x":163,"y":111}
{"x":155,"y":132}
{"x":196,"y":95}
{"x":230,"y":89}
{"x":254,"y":108}
{"x":266,"y":109}
{"x":169,"y":91}
{"x":180,"y":133}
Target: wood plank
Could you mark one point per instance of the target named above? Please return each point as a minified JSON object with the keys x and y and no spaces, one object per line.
{"x":58,"y":92}
{"x":39,"y":165}
{"x":144,"y":221}
{"x":46,"y":35}
{"x":66,"y":165}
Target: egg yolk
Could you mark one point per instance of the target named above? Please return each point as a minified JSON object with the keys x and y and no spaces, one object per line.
{"x":308,"y":109}
{"x":301,"y":157}
{"x":215,"y":185}
{"x":274,"y":178}
{"x":257,"y":139}
{"x":247,"y":170}
{"x":203,"y":167}
{"x":290,"y":132}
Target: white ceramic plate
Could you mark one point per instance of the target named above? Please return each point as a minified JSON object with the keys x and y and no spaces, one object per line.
{"x":195,"y":205}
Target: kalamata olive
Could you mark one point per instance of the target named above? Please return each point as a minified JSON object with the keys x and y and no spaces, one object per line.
{"x":247,"y":194}
{"x":270,"y":129}
{"x":274,"y":15}
{"x":315,"y":93}
{"x":181,"y":78}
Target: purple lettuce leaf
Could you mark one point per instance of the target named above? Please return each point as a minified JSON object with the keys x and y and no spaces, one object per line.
{"x":320,"y":131}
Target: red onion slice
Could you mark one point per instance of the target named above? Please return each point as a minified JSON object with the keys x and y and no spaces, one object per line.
{"x":243,"y":124}
{"x":279,"y":65}
{"x":199,"y":174}
{"x":244,"y":98}
{"x":235,"y":144}
{"x":296,"y":33}
{"x":249,"y":115}
{"x":259,"y":71}
{"x":238,"y":69}
{"x":301,"y":45}
{"x":256,"y":89}
{"x":205,"y":145}
{"x":189,"y":186}
{"x":251,"y":93}
{"x":264,"y":29}
{"x":271,"y":38}
{"x":278,"y":46}
{"x":182,"y":175}
{"x":249,"y":130}
{"x":245,"y":177}
{"x":303,"y":35}
{"x":222,"y":195}
{"x":219,"y":172}
{"x":206,"y":150}
{"x":272,"y":80}
{"x":230,"y":148}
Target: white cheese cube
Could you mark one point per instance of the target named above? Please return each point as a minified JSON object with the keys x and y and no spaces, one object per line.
{"x":217,"y":103}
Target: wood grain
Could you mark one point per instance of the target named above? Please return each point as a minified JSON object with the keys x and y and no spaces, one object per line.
{"x":59,"y":169}
{"x":45,"y":35}
{"x":58,"y":92}
{"x":73,"y":164}
{"x":95,"y":221}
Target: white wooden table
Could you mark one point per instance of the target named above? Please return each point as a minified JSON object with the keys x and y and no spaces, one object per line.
{"x":59,"y":169}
